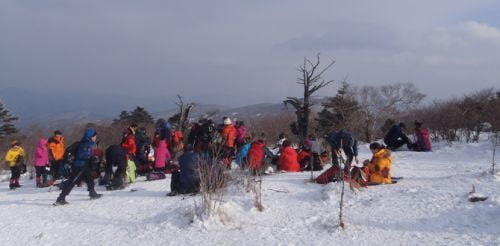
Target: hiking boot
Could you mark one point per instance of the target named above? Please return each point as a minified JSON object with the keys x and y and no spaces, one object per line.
{"x":12,"y":187}
{"x":95,"y":196}
{"x":60,"y":202}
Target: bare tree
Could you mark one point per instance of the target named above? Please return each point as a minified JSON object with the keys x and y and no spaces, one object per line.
{"x":311,"y":81}
{"x":182,"y":117}
{"x":380,"y":103}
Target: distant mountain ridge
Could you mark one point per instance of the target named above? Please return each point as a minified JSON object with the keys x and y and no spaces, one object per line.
{"x":57,"y":109}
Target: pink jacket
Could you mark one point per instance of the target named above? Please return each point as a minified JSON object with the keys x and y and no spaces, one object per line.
{"x":42,"y":153}
{"x":241,"y":133}
{"x":162,"y":155}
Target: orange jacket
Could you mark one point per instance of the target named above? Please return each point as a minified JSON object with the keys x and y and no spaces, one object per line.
{"x":56,"y":146}
{"x":228,"y":135}
{"x":288,"y":160}
{"x":380,"y":167}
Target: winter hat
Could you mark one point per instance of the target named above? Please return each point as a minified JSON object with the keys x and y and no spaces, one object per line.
{"x":402,"y":125}
{"x":14,"y":143}
{"x":227,"y":121}
{"x":57,"y":132}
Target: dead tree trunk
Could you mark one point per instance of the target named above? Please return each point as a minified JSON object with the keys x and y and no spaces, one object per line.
{"x":311,"y":81}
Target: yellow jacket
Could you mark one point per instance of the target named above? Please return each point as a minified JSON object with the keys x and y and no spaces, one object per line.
{"x":12,"y":156}
{"x":380,"y":167}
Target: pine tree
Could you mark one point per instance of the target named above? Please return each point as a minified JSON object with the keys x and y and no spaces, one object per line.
{"x":7,"y":126}
{"x":138,"y":116}
{"x":338,"y":111}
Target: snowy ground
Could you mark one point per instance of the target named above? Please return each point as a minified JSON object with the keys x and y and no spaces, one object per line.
{"x":428,"y":207}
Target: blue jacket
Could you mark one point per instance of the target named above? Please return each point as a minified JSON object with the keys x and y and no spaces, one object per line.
{"x":189,"y":163}
{"x":85,"y":149}
{"x":345,"y":140}
{"x":243,"y":154}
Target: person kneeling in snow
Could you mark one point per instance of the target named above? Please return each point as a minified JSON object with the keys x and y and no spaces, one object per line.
{"x":115,"y":156}
{"x":379,"y":167}
{"x":81,"y":169}
{"x":187,"y":179}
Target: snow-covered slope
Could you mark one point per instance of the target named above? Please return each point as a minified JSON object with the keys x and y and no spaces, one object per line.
{"x":428,"y":207}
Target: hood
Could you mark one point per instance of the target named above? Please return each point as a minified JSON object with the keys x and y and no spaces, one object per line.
{"x":384,"y":153}
{"x":89,"y":133}
{"x":42,"y":143}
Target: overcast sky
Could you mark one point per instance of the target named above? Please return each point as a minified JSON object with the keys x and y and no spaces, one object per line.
{"x":241,"y":52}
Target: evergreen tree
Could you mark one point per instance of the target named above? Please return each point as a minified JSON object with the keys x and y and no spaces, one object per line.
{"x":139,"y":116}
{"x":338,"y":112}
{"x":7,"y":126}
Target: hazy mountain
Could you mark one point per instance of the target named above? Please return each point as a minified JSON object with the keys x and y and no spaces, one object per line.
{"x":56,"y":109}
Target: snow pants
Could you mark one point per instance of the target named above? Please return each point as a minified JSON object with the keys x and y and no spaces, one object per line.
{"x":78,"y":174}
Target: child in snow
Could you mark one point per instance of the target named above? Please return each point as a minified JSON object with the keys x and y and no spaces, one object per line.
{"x":41,"y":161}
{"x":288,"y":158}
{"x":15,"y":160}
{"x":380,"y":165}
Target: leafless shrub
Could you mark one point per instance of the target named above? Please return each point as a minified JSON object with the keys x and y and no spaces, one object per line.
{"x":212,"y":188}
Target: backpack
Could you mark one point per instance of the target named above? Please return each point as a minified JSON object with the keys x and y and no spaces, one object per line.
{"x":155,"y":175}
{"x":70,"y":152}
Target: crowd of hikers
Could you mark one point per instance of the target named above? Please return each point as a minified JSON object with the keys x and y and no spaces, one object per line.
{"x":207,"y":143}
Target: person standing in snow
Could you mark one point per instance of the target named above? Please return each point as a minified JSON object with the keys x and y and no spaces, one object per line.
{"x":56,"y":154}
{"x":241,"y":133}
{"x":343,"y":141}
{"x":81,"y":169}
{"x":160,"y":144}
{"x":128,"y":141}
{"x":228,"y":136}
{"x":41,"y":161}
{"x":15,"y":159}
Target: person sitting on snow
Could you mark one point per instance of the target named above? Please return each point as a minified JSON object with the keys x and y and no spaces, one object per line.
{"x":379,"y":167}
{"x":396,"y":137}
{"x":257,"y":155}
{"x":422,"y":138}
{"x":288,"y":160}
{"x":187,"y":179}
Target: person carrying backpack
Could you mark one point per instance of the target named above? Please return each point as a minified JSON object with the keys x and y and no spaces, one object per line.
{"x":81,"y":169}
{"x":15,"y":159}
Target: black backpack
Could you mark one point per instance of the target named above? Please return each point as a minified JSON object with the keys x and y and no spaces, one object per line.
{"x":70,"y":153}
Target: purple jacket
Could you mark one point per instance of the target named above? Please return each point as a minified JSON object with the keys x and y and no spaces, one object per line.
{"x":241,"y":133}
{"x":162,"y":154}
{"x":42,"y":153}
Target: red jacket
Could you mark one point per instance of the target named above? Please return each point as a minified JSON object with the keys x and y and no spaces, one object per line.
{"x":256,"y":155}
{"x":128,"y":141}
{"x":288,"y":160}
{"x":423,"y":142}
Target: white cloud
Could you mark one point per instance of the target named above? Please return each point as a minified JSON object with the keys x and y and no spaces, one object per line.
{"x":482,"y":31}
